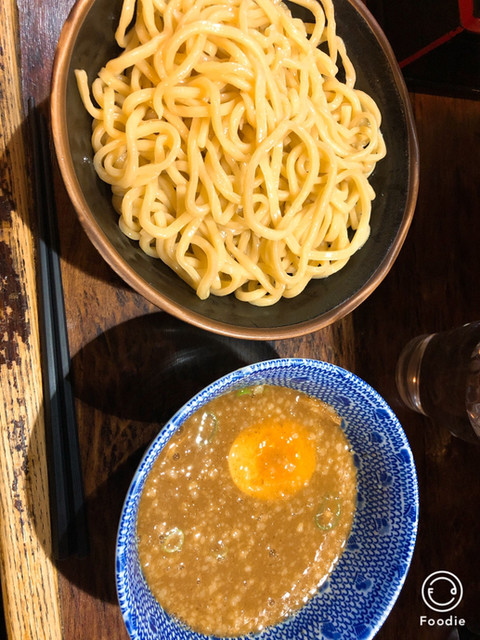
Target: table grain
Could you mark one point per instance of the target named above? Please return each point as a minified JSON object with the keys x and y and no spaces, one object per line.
{"x":124,"y":350}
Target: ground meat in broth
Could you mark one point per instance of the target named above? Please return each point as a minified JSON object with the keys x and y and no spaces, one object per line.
{"x":226,"y":562}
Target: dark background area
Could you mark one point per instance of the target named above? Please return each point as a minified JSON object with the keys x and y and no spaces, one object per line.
{"x":437,"y":43}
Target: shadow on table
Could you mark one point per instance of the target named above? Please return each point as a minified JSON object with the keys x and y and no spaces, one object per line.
{"x":127,"y":383}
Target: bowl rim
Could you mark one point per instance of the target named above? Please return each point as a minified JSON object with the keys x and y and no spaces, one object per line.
{"x":217,"y":386}
{"x":94,"y":232}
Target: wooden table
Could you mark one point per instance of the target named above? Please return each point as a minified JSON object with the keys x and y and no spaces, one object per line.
{"x":432,"y":286}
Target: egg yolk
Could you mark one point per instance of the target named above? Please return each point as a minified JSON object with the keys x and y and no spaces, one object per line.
{"x":272,"y":459}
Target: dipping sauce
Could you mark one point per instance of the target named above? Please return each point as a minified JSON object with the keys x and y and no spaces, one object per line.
{"x":247,"y":510}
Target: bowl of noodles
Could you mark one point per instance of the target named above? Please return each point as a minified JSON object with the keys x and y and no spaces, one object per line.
{"x":249,"y":166}
{"x":218,"y":539}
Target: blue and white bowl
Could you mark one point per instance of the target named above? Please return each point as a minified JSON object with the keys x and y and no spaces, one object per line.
{"x":356,"y":599}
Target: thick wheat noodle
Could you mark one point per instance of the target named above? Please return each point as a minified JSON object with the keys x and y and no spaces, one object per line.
{"x":235,"y":150}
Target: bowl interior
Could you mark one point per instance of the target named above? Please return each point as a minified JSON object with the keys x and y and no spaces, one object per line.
{"x":357,"y":597}
{"x":90,"y":34}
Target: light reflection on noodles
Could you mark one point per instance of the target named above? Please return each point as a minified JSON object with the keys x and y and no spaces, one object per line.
{"x":235,"y":151}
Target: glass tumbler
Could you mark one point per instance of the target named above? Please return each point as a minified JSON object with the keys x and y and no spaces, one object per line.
{"x":438,"y":375}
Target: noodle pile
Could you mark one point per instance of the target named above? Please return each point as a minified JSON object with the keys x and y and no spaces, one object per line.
{"x":235,"y":151}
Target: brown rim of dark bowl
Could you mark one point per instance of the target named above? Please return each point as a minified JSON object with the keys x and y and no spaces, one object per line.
{"x":119,"y":265}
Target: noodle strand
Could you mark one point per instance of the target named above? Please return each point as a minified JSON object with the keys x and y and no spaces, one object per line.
{"x":235,"y":142}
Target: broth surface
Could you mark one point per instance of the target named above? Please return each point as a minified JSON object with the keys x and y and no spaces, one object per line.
{"x":247,"y":510}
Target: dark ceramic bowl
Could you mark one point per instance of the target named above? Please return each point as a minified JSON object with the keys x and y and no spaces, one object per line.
{"x":87,"y":42}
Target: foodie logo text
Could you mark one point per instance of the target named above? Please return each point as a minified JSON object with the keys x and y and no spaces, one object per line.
{"x":442,"y":591}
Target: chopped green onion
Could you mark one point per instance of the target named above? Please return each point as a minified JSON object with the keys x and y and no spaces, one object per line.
{"x":246,"y":391}
{"x":208,"y":428}
{"x":172,"y":541}
{"x":328,"y":513}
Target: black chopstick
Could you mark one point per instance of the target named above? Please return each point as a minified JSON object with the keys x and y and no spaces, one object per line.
{"x":67,"y":503}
